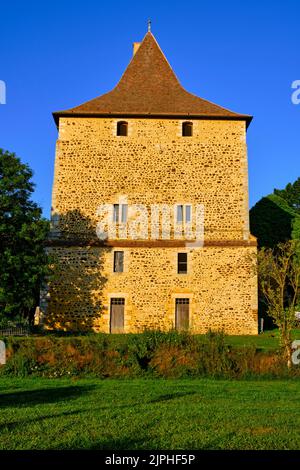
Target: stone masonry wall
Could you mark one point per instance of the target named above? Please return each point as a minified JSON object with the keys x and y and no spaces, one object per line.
{"x":153,"y":164}
{"x":220,"y":285}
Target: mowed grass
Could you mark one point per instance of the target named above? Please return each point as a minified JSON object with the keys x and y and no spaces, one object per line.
{"x":149,"y":414}
{"x":266,"y":341}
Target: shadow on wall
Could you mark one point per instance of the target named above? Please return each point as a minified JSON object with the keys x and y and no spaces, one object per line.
{"x":76,"y":281}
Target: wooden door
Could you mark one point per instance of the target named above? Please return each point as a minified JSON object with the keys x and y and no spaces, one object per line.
{"x":117,"y":315}
{"x":182,"y":314}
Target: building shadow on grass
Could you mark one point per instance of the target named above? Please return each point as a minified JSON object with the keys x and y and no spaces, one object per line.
{"x":13,"y":425}
{"x":170,"y":396}
{"x":42,"y":396}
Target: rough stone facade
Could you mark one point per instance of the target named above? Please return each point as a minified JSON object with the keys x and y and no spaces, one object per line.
{"x":153,"y":164}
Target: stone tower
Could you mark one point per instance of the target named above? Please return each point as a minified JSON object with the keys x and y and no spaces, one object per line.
{"x":144,"y":156}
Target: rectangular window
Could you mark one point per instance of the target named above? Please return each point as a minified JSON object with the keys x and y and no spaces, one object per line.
{"x":118,"y":261}
{"x":184,"y":213}
{"x":116,"y":213}
{"x":124,"y":208}
{"x":120,"y":213}
{"x":182,"y":263}
{"x":188,"y":213}
{"x":180,"y":213}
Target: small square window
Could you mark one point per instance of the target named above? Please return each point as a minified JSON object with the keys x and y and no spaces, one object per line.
{"x":183,"y":301}
{"x":122,"y":128}
{"x":187,"y":129}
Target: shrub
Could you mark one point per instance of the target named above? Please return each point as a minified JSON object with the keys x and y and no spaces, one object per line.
{"x":152,"y":353}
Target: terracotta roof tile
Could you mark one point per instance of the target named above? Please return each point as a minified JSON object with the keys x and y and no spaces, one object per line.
{"x":150,"y":87}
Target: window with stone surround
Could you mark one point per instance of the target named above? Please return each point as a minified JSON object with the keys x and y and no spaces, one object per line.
{"x":122,"y":128}
{"x":187,"y":129}
{"x":117,"y":314}
{"x":184,"y":213}
{"x":182,"y":313}
{"x":182,"y":263}
{"x":120,"y":213}
{"x":118,"y":261}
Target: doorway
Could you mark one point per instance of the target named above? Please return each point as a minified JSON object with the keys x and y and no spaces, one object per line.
{"x":182,"y":313}
{"x":117,"y":307}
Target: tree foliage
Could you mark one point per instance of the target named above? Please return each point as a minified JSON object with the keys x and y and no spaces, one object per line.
{"x":279,"y":280}
{"x":23,"y":262}
{"x":273,"y":221}
{"x":291,"y":194}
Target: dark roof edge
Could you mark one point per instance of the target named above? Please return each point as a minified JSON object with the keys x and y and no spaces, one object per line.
{"x":239,"y":117}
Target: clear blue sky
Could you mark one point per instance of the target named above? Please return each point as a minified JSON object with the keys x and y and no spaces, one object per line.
{"x":241,"y":55}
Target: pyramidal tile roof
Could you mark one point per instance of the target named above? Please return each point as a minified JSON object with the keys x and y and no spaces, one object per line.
{"x":149,"y":87}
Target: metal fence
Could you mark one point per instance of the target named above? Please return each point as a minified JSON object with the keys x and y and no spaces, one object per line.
{"x":15,"y":331}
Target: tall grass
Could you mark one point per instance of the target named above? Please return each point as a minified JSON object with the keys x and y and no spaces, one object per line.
{"x":149,"y":354}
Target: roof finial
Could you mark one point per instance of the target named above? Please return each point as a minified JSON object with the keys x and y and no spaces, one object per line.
{"x":149,"y":25}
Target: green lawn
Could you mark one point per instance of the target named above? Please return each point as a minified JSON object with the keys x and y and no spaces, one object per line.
{"x":268,"y":340}
{"x":149,"y":414}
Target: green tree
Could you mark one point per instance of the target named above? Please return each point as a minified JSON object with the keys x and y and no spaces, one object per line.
{"x":279,"y":281}
{"x":273,"y":221}
{"x":23,"y":261}
{"x":291,"y":194}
